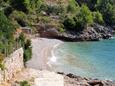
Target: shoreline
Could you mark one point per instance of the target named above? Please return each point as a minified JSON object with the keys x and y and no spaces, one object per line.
{"x":42,"y":50}
{"x":42,"y":53}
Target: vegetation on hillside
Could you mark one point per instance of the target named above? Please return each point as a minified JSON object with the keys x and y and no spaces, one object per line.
{"x":74,"y":15}
{"x":27,"y":12}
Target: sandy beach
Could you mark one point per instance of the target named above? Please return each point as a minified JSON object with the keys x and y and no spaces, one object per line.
{"x":41,"y":53}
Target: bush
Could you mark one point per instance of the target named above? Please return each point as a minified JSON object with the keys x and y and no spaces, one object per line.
{"x":72,"y":6}
{"x":21,"y":39}
{"x":27,"y":44}
{"x":1,"y":57}
{"x":6,"y":27}
{"x":85,"y":16}
{"x":20,"y":18}
{"x":27,"y":54}
{"x":6,"y":35}
{"x":2,"y":66}
{"x":19,"y":5}
{"x":55,"y":9}
{"x":61,"y":30}
{"x":27,"y":51}
{"x":98,"y":18}
{"x":69,"y":23}
{"x":82,"y":20}
{"x":24,"y":83}
{"x":107,"y":8}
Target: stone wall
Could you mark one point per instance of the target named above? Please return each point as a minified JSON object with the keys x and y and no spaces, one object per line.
{"x":13,"y":64}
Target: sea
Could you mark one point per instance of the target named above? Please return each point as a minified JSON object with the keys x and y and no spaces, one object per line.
{"x":87,"y":59}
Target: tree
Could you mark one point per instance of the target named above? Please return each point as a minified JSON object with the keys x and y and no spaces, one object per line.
{"x":107,"y":8}
{"x":98,"y":18}
{"x":6,"y":27}
{"x":72,"y":6}
{"x":34,"y":5}
{"x":69,"y":23}
{"x":85,"y":16}
{"x":20,"y":5}
{"x":6,"y":35}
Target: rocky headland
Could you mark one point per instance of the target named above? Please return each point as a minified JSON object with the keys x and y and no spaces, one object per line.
{"x":92,"y":33}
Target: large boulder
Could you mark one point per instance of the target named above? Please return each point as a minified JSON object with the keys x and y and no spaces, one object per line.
{"x":51,"y":33}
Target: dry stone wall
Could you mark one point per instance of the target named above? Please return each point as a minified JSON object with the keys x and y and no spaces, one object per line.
{"x":12,"y":65}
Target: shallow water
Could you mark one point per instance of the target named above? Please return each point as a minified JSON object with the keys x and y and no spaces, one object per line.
{"x":87,"y":59}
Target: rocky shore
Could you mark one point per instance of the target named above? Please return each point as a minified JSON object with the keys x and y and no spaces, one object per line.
{"x":41,"y":50}
{"x":94,"y":33}
{"x":73,"y":80}
{"x":38,"y":72}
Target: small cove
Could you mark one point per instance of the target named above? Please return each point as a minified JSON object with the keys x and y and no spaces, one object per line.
{"x":87,"y":59}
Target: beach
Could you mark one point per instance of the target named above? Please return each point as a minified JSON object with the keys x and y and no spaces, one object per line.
{"x":41,"y":53}
{"x":41,"y":56}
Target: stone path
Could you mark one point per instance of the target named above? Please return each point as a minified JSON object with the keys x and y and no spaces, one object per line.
{"x":40,"y":78}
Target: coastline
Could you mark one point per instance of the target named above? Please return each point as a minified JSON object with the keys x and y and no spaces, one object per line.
{"x":42,"y":53}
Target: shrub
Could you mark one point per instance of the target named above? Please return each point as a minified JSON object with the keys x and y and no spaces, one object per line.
{"x":69,"y":23}
{"x":27,"y":44}
{"x":6,"y":34}
{"x":1,"y":57}
{"x":98,"y":18}
{"x":21,"y":39}
{"x":72,"y":6}
{"x":6,"y":27}
{"x":20,"y":18}
{"x":107,"y":8}
{"x":85,"y":16}
{"x":19,"y":5}
{"x":2,"y":66}
{"x":24,"y":83}
{"x":27,"y":51}
{"x":61,"y":30}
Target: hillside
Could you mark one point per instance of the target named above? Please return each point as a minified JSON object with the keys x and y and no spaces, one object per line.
{"x":70,"y":19}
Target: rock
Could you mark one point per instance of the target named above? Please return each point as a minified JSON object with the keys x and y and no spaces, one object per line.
{"x":94,"y":33}
{"x":51,"y":33}
{"x":60,"y":73}
{"x":95,"y":82}
{"x":70,"y":75}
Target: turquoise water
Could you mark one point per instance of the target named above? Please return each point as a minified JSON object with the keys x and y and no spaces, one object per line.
{"x":87,"y":59}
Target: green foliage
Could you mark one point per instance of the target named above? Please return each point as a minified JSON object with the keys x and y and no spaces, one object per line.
{"x":6,"y":35}
{"x":27,"y":51}
{"x":85,"y":16}
{"x":72,"y":6}
{"x":53,"y":9}
{"x":45,"y":19}
{"x":98,"y":18}
{"x":69,"y":23}
{"x":21,"y":39}
{"x":2,"y":66}
{"x":61,"y":30}
{"x":34,"y":5}
{"x":19,"y":19}
{"x":26,"y":44}
{"x":1,"y":57}
{"x":82,"y":19}
{"x":107,"y":8}
{"x":6,"y":27}
{"x":24,"y":83}
{"x":20,"y":5}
